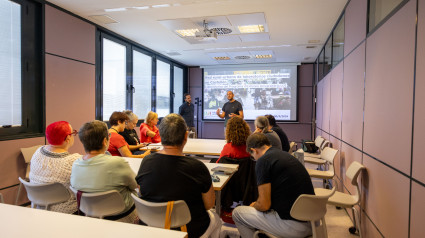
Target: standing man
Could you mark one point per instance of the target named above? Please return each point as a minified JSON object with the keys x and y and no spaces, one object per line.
{"x":186,"y":110}
{"x":232,"y":108}
{"x":281,"y":179}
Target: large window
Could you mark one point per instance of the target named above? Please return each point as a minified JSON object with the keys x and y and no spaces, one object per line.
{"x":338,"y":43}
{"x":21,"y":108}
{"x":142,"y":83}
{"x":178,"y":88}
{"x":114,"y":77}
{"x":379,"y":9}
{"x":132,"y":78}
{"x":162,"y":88}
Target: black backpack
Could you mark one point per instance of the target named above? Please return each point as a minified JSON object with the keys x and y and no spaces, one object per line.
{"x":309,"y":146}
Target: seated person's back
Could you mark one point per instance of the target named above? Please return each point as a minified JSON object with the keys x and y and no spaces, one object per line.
{"x":237,"y":131}
{"x":52,"y":163}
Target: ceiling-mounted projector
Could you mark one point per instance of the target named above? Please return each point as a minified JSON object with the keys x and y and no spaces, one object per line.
{"x":206,"y":34}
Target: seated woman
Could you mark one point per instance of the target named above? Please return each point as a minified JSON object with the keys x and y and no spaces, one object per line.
{"x":130,"y":135}
{"x":262,"y":126}
{"x":237,"y":131}
{"x":97,"y":172}
{"x":53,"y":163}
{"x":149,"y":133}
{"x":117,"y":145}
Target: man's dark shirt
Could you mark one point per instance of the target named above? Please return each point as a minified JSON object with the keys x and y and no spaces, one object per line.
{"x":186,"y":110}
{"x":288,"y":177}
{"x":282,"y":136}
{"x":229,"y":108}
{"x":130,"y":136}
{"x":164,"y":178}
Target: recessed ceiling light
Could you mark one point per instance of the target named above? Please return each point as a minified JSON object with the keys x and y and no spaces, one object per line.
{"x":313,"y":41}
{"x":160,"y":5}
{"x":120,"y":9}
{"x":222,"y":58}
{"x":251,"y":29}
{"x":176,"y":4}
{"x":104,"y":19}
{"x":141,"y":8}
{"x":263,"y":56}
{"x":187,"y":32}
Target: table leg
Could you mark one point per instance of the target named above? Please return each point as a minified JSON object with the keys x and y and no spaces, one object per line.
{"x":218,"y":202}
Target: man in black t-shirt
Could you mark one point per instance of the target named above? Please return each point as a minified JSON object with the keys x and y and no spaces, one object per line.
{"x":282,"y":136}
{"x":281,"y":179}
{"x":230,"y":109}
{"x":186,"y":110}
{"x":169,"y":176}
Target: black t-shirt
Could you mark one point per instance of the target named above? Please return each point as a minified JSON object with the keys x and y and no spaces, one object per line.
{"x":130,"y":136}
{"x":283,"y":138}
{"x":186,"y":110}
{"x":229,"y":108}
{"x":165,"y":178}
{"x":288,"y":177}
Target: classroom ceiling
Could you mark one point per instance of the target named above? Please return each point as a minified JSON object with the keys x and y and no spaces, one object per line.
{"x":211,"y":32}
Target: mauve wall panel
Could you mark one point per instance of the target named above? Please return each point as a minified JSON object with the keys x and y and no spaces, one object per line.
{"x":353,"y":97}
{"x":319,"y":104}
{"x":419,"y":134}
{"x":369,"y":230}
{"x":355,"y":24}
{"x":69,"y":36}
{"x":389,"y":89}
{"x":326,"y":102}
{"x":305,"y":75}
{"x":70,"y":93}
{"x":387,"y":194}
{"x":213,"y":130}
{"x":305,"y":110}
{"x":297,"y":132}
{"x":417,"y":211}
{"x":336,"y":100}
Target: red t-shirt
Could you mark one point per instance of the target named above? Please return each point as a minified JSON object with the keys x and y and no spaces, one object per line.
{"x":115,"y":142}
{"x":144,"y":138}
{"x":234,"y":151}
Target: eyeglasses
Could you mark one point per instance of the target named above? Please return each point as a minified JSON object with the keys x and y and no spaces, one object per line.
{"x":74,"y":133}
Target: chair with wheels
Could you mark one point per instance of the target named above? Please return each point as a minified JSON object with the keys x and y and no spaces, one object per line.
{"x":101,"y":204}
{"x":154,"y":213}
{"x":345,"y":200}
{"x":311,"y":208}
{"x":27,"y":153}
{"x":329,"y":155}
{"x":44,"y":195}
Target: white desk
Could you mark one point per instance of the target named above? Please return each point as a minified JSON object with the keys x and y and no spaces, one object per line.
{"x":17,"y":222}
{"x":198,"y":146}
{"x":218,"y":186}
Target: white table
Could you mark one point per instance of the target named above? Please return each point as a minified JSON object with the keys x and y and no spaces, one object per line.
{"x":218,"y":186}
{"x":198,"y":146}
{"x":17,"y":222}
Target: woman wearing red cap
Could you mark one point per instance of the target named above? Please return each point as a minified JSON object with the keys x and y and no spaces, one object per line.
{"x":53,"y":163}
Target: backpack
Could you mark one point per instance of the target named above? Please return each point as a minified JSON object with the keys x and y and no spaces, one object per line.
{"x":309,"y":146}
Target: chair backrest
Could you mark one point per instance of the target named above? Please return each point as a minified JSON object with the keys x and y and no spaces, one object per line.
{"x":292,"y":147}
{"x":352,"y":173}
{"x":319,"y":141}
{"x":101,"y":204}
{"x":153,"y":213}
{"x":45,"y":194}
{"x":27,"y":153}
{"x":324,"y":144}
{"x":312,"y":208}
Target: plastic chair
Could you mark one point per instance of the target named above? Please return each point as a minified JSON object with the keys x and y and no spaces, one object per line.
{"x":329,"y":155}
{"x":310,"y":208}
{"x":27,"y":153}
{"x":292,"y":146}
{"x":44,"y":195}
{"x":316,"y":158}
{"x":101,"y":204}
{"x":154,"y":213}
{"x":347,"y":200}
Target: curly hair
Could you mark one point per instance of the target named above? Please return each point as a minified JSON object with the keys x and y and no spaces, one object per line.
{"x":237,"y":131}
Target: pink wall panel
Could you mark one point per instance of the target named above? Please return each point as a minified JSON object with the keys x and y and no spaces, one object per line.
{"x":386,"y":194}
{"x":418,"y":211}
{"x":12,"y":164}
{"x":389,"y":88}
{"x":336,"y":100}
{"x":355,"y":24}
{"x":419,"y":134}
{"x":369,"y":230}
{"x":297,"y":132}
{"x":353,"y":97}
{"x":326,"y":102}
{"x":69,"y":36}
{"x":305,"y":75}
{"x":305,"y":98}
{"x":319,"y":104}
{"x":70,"y":93}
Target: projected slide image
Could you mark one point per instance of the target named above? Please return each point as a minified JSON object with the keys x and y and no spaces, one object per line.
{"x":259,"y":91}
